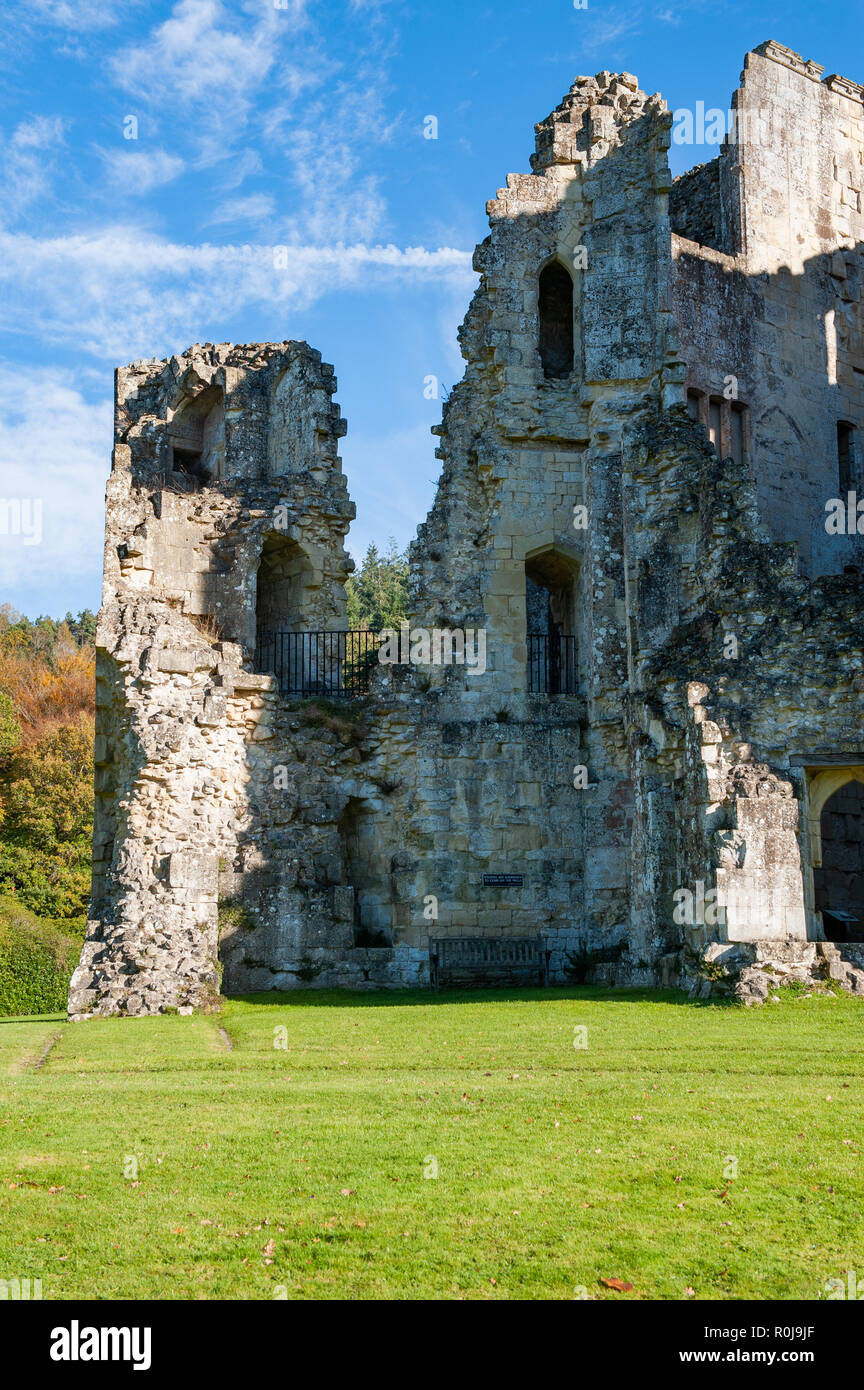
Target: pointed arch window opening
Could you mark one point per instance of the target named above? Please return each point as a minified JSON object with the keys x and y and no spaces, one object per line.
{"x":555,"y":321}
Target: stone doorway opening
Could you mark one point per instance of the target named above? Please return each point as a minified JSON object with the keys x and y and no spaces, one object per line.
{"x":367,"y":869}
{"x":550,"y":618}
{"x":279,"y":587}
{"x":836,"y":825}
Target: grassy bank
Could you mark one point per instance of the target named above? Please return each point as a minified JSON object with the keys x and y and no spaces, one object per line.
{"x":290,"y":1147}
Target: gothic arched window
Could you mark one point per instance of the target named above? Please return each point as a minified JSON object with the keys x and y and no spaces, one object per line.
{"x":555,"y":316}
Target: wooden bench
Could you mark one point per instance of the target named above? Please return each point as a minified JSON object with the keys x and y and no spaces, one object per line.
{"x":488,"y":961}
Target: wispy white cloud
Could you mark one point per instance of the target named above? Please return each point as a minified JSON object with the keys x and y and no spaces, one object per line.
{"x":259,"y":87}
{"x":257,"y":207}
{"x":195,"y":54}
{"x":55,"y":450}
{"x":212,"y":63}
{"x":27,"y":159}
{"x":137,"y":294}
{"x":601,"y":32}
{"x":347,"y":204}
{"x":242,"y":166}
{"x":79,"y":16}
{"x":140,"y":171}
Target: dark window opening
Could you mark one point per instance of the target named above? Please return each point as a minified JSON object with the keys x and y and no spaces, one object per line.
{"x":279,"y":613}
{"x":190,"y":463}
{"x":736,"y":433}
{"x":723,"y":422}
{"x":555,"y":315}
{"x":846,"y":456}
{"x":839,"y":881}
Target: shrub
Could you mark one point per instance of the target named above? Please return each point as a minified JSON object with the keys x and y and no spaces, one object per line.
{"x":36,"y":961}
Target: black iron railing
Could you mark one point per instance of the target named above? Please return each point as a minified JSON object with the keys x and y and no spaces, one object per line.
{"x":337,"y":664}
{"x":319,"y":663}
{"x":551,"y":664}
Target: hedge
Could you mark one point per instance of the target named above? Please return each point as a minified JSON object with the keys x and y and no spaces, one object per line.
{"x":36,"y":961}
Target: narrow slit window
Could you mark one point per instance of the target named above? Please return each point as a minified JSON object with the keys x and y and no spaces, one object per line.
{"x":736,"y":433}
{"x":555,"y":315}
{"x":714,"y":418}
{"x":846,"y":456}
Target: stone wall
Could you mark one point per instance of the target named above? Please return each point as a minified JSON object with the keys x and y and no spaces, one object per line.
{"x":694,"y":206}
{"x":179,"y":705}
{"x":316,"y":840}
{"x":773,"y":317}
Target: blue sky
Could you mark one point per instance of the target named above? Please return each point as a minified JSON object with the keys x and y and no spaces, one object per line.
{"x":297,"y":123}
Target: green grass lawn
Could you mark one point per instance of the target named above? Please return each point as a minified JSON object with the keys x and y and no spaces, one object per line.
{"x":305,"y":1171}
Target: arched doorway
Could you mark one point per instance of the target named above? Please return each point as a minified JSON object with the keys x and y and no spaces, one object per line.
{"x":839,"y":880}
{"x":836,"y":826}
{"x":281,"y":647}
{"x":550,"y":621}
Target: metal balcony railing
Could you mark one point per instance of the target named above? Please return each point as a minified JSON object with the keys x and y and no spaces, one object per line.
{"x":333,"y":664}
{"x":337,"y":664}
{"x":551,"y":664}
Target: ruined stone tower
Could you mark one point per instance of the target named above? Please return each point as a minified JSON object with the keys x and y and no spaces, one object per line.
{"x":657,"y":767}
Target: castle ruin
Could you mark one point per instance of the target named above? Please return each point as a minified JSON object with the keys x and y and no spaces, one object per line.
{"x":648,"y":512}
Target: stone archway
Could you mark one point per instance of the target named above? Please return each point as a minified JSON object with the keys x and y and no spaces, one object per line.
{"x":550,"y":622}
{"x":835,"y":826}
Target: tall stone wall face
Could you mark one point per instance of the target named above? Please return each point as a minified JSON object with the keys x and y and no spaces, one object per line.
{"x":295,"y":842}
{"x":747,"y":678}
{"x":431,"y":803}
{"x":219,"y":454}
{"x":774,"y":301}
{"x":525,"y":454}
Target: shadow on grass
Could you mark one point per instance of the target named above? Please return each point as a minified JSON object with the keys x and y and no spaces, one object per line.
{"x":342,"y":998}
{"x":33,"y":1018}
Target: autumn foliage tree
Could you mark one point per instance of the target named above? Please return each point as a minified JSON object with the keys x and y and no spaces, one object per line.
{"x":46,"y":761}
